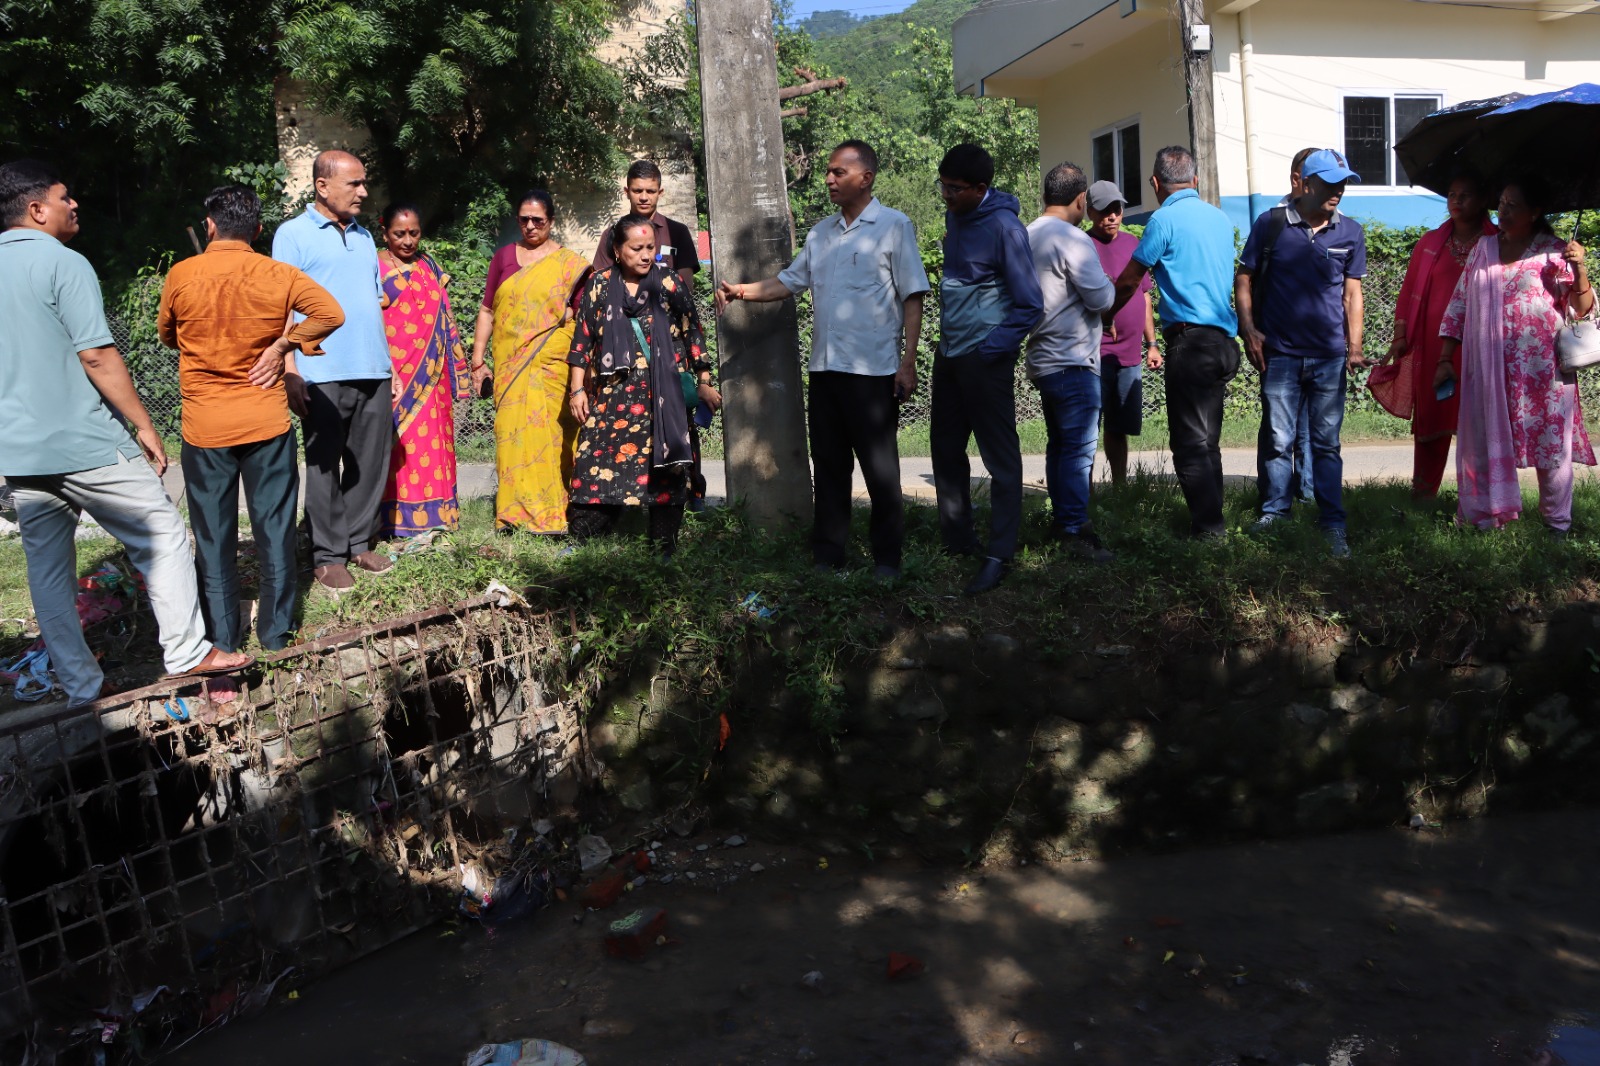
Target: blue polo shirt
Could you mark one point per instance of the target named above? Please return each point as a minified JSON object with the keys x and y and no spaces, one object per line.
{"x":52,"y":418}
{"x":343,"y":260}
{"x":1188,"y":245}
{"x":1302,"y":310}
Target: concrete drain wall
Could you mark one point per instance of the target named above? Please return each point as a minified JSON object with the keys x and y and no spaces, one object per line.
{"x":324,"y":819}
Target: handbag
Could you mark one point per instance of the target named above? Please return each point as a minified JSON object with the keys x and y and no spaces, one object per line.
{"x":1578,"y":342}
{"x":686,"y":382}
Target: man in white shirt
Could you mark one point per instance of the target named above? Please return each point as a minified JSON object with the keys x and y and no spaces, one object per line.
{"x":864,"y":270}
{"x":1063,"y":359}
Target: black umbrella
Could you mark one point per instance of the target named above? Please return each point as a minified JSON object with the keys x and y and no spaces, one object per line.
{"x":1555,"y":136}
{"x":1430,"y":153}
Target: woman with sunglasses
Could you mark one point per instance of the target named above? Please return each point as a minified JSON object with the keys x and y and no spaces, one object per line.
{"x":527,"y":314}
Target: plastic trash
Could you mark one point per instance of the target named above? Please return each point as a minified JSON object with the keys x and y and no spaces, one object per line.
{"x":30,"y":674}
{"x":503,"y":899}
{"x":631,"y":937}
{"x":593,"y":851}
{"x":753,"y":604}
{"x":606,"y":889}
{"x":526,"y":1053}
{"x":902,"y":966}
{"x":812,"y":979}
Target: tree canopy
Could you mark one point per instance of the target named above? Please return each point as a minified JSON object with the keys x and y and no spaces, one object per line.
{"x":147,"y":104}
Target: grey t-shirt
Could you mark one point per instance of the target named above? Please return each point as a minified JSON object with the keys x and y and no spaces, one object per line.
{"x":1076,"y":293}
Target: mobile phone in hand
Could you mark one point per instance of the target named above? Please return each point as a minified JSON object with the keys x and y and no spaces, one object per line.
{"x":1444,"y":390}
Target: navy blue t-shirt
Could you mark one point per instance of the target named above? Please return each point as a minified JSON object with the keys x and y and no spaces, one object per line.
{"x":1302,"y":311}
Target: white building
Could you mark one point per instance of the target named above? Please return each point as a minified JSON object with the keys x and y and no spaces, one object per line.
{"x":1107,"y":79}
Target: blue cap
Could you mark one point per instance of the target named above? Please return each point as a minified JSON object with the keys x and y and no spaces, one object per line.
{"x":1328,"y":165}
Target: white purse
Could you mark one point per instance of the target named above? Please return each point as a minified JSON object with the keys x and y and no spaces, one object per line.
{"x":1578,"y":342}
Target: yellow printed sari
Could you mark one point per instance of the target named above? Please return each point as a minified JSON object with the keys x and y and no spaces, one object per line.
{"x":534,"y":432}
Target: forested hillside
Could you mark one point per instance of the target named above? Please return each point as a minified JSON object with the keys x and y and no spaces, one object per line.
{"x":901,"y":98}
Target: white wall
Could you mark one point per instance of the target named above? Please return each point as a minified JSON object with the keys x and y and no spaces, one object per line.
{"x":1139,"y":76}
{"x":1308,"y":55}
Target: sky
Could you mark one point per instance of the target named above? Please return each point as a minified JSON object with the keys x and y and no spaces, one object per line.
{"x":867,"y":8}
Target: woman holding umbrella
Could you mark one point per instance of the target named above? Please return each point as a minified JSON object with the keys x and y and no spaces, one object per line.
{"x":1517,"y":407}
{"x":1431,"y":277}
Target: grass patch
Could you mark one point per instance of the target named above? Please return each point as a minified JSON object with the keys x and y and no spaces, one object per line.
{"x":1415,"y":576}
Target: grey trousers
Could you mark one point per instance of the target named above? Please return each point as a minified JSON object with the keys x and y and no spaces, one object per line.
{"x":129,"y":503}
{"x":349,"y":432}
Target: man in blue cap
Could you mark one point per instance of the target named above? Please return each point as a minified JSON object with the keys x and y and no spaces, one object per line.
{"x":1304,"y":334}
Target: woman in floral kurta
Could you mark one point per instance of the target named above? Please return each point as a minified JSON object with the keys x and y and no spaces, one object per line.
{"x":1517,"y":407}
{"x":634,"y":448}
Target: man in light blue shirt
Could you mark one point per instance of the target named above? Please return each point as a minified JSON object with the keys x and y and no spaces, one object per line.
{"x":345,"y":397}
{"x":63,"y":451}
{"x":1188,"y":244}
{"x":864,"y":271}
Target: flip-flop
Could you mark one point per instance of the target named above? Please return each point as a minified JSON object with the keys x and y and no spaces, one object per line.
{"x":201,"y":670}
{"x":179,"y":715}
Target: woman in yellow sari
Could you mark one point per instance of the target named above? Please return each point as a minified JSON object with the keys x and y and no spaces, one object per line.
{"x":527,"y":311}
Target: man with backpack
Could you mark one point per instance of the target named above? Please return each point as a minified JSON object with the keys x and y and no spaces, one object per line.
{"x":1298,"y":296}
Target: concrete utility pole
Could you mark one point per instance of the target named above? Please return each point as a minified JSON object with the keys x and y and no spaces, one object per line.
{"x":1197,"y":82}
{"x":764,"y":429}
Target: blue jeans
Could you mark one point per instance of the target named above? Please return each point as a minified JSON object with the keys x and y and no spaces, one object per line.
{"x":1071,"y":401}
{"x":1318,"y":384}
{"x":1300,"y":480}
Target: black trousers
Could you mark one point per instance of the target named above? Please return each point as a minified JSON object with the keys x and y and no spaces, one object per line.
{"x":854,"y":418}
{"x":974,"y":398}
{"x":662,"y":521}
{"x":1201,"y":360}
{"x":271,"y":476}
{"x":349,"y":437}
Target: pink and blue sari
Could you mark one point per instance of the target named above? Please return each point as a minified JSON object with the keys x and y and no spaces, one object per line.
{"x":425,"y":348}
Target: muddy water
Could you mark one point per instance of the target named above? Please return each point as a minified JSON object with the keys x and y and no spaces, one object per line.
{"x":1476,"y":943}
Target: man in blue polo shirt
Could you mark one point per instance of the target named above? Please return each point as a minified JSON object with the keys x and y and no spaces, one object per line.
{"x":1188,"y":245}
{"x":1305,"y":334}
{"x":63,"y":449}
{"x":344,"y":397}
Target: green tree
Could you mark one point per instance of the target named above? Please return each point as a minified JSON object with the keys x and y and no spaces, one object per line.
{"x":465,"y":96}
{"x":142,"y":103}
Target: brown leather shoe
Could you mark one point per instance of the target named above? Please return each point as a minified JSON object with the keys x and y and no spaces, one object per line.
{"x":334,"y":576}
{"x":372,"y":562}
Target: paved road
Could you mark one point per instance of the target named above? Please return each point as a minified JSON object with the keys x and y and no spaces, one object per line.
{"x":1362,"y":462}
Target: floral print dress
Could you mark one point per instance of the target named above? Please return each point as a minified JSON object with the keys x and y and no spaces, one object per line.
{"x":1541,"y":401}
{"x":612,"y":465}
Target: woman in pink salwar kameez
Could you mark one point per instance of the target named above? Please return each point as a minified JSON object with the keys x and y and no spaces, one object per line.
{"x":1517,"y":407}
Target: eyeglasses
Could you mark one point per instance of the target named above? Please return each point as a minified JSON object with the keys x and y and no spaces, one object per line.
{"x":533,"y":220}
{"x":953,"y":188}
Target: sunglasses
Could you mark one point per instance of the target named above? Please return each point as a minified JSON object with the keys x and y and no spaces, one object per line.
{"x":533,"y":220}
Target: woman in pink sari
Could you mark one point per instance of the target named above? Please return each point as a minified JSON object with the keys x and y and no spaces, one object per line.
{"x":1431,"y":277}
{"x":425,"y":348}
{"x":1517,"y":407}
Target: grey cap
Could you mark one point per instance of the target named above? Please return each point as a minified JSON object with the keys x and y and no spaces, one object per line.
{"x":1102,"y":194}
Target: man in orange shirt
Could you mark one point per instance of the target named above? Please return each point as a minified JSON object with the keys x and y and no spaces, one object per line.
{"x":225,"y":311}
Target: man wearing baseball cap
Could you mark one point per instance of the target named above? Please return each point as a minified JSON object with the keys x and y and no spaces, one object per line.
{"x":1122,"y":344}
{"x":1302,"y":332}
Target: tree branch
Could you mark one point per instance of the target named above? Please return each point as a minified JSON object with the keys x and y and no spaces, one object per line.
{"x":793,"y":112}
{"x":810,"y":88}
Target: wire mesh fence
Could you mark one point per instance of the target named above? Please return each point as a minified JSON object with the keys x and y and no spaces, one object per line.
{"x":142,"y":847}
{"x":155,"y":368}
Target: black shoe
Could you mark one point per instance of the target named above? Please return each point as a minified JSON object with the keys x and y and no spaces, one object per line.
{"x":1086,"y":545}
{"x":987,"y":577}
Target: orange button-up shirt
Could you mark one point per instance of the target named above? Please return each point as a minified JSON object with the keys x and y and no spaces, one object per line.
{"x":221,"y":310}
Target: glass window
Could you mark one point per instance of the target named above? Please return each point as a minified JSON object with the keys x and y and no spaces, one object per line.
{"x":1372,"y":125}
{"x":1408,"y":111}
{"x":1366,"y":137}
{"x":1105,"y":160}
{"x":1129,"y":174}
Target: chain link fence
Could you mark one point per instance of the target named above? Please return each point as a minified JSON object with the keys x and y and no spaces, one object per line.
{"x":155,"y":368}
